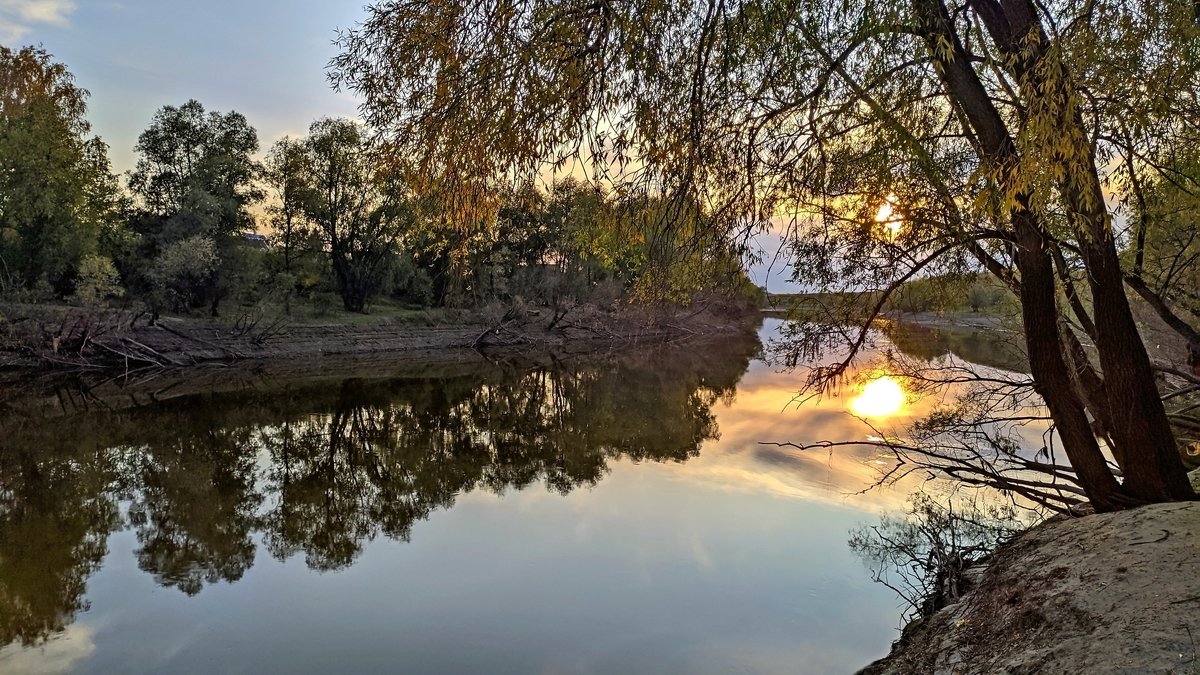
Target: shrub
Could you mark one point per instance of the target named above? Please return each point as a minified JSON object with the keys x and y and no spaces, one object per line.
{"x":98,"y":282}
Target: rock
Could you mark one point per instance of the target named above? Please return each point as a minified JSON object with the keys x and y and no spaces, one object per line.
{"x":1195,"y":476}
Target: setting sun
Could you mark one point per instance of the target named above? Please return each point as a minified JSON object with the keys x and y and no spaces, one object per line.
{"x":891,"y":219}
{"x":880,"y":398}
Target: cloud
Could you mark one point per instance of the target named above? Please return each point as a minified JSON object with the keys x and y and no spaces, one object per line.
{"x":63,"y":653}
{"x":18,"y":17}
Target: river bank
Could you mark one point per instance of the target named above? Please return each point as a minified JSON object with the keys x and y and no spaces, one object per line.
{"x":1108,"y":593}
{"x":65,"y":339}
{"x":195,"y":358}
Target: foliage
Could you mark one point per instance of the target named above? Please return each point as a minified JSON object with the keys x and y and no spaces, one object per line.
{"x":951,"y":293}
{"x":566,"y":245}
{"x":197,"y":162}
{"x":58,"y":196}
{"x":284,"y":172}
{"x":181,"y":269}
{"x":196,"y":178}
{"x":1164,"y":244}
{"x":346,"y":193}
{"x":98,"y":282}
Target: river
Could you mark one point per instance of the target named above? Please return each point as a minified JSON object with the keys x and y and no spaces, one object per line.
{"x":519,"y":514}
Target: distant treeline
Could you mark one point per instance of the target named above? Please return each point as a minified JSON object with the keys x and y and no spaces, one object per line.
{"x":951,"y":293}
{"x":322,"y":221}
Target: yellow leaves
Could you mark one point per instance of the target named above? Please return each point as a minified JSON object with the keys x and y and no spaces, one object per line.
{"x":944,"y":49}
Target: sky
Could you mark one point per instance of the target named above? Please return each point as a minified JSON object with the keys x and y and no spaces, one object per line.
{"x":263,"y":58}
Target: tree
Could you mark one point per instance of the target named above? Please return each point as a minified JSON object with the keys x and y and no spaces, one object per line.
{"x":181,"y":270}
{"x":925,"y":556}
{"x":986,"y":127}
{"x":191,"y":158}
{"x":57,"y":192}
{"x":350,"y":202}
{"x":196,"y":177}
{"x":1163,"y":252}
{"x":285,"y":170}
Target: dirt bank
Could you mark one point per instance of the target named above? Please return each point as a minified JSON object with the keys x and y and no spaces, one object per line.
{"x":190,"y":358}
{"x":1110,"y":593}
{"x":65,"y":339}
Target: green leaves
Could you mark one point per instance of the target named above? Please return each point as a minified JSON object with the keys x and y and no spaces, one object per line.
{"x":193,"y":160}
{"x":57,"y":193}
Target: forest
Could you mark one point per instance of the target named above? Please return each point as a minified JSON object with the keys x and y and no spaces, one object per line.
{"x":1011,"y":147}
{"x":211,"y":223}
{"x":475,"y":376}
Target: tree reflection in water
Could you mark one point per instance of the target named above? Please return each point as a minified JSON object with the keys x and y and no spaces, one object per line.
{"x":56,"y":512}
{"x":320,"y":470}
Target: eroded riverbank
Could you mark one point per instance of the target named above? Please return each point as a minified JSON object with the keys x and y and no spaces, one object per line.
{"x":1108,"y":593}
{"x":112,"y":342}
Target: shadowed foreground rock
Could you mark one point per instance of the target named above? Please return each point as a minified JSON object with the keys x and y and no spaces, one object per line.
{"x":1110,"y":593}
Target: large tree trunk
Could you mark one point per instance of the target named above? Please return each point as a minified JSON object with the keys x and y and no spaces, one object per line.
{"x":1138,"y":426}
{"x":351,"y":285}
{"x":1141,"y":436}
{"x":1052,"y":376}
{"x":1153,"y":469}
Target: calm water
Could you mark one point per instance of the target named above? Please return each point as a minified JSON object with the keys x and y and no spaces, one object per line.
{"x":585,"y":515}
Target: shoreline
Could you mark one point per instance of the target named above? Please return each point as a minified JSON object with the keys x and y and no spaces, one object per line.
{"x":116,"y":343}
{"x":1106,"y":593}
{"x":309,"y":354}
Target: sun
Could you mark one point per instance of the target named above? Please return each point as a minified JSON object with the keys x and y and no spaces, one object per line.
{"x":882,"y":397}
{"x":890,"y":218}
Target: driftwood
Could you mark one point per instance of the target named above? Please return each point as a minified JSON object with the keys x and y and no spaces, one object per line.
{"x":201,"y":341}
{"x":133,"y":351}
{"x":245,"y":327}
{"x":502,"y":326}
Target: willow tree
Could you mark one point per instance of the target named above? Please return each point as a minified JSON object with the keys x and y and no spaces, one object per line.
{"x":895,"y":139}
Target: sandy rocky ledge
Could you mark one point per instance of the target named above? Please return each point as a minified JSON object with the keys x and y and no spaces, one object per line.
{"x":1109,"y":593}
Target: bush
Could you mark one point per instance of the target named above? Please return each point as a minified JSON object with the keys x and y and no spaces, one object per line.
{"x":182,"y":273}
{"x":924,"y":556}
{"x":98,"y":282}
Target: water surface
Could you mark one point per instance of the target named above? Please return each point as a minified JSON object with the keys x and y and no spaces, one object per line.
{"x":531,"y":514}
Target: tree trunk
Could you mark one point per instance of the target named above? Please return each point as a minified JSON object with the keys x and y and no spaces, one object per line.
{"x":351,"y":286}
{"x":1051,"y":375}
{"x":1141,"y":434}
{"x":1153,"y":469}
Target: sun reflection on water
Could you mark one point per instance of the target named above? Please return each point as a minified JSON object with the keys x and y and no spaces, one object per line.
{"x":882,"y":397}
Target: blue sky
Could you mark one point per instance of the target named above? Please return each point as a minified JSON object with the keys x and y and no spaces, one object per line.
{"x":263,"y":58}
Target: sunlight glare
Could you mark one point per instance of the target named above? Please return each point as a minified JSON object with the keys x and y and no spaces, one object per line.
{"x":880,"y":398}
{"x":891,"y":219}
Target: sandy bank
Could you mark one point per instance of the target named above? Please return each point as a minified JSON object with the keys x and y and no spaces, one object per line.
{"x":1109,"y":593}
